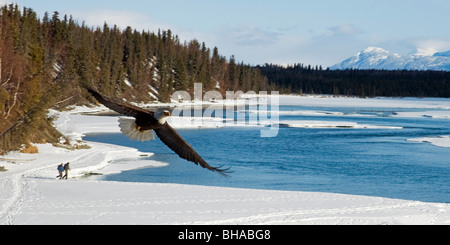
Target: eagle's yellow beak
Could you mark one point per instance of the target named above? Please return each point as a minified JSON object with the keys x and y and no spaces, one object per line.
{"x":167,"y":113}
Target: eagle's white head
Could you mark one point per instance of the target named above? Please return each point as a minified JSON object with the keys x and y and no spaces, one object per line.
{"x":162,"y":116}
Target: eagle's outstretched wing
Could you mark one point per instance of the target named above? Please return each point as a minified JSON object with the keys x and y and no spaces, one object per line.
{"x":174,"y":141}
{"x":120,"y":107}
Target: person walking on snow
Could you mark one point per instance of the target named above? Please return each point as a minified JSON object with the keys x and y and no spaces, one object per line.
{"x":60,"y":170}
{"x":66,"y":169}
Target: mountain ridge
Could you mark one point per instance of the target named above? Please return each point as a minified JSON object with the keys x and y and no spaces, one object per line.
{"x":381,"y":59}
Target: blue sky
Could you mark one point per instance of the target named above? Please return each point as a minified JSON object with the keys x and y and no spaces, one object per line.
{"x":319,"y":32}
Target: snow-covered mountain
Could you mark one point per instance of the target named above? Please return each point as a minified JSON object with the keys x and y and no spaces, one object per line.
{"x":378,"y":58}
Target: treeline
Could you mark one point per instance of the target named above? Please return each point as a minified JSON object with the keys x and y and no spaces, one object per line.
{"x":300,"y":79}
{"x":45,"y":62}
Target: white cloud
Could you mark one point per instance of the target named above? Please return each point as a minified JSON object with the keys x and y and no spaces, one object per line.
{"x":330,"y":46}
{"x":428,"y":46}
{"x":415,"y":45}
{"x":345,"y":29}
{"x":259,"y":45}
{"x":121,"y":18}
{"x":138,"y":21}
{"x":248,"y":35}
{"x":254,"y":44}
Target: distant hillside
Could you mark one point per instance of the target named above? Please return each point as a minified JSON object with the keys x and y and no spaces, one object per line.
{"x":300,"y":79}
{"x":381,"y":59}
{"x":44,"y":62}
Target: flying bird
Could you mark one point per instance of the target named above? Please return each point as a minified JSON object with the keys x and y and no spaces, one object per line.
{"x":145,"y":122}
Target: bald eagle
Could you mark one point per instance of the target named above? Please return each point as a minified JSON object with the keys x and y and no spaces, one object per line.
{"x":145,"y":122}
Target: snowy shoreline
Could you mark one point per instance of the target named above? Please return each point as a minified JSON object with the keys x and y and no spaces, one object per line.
{"x":30,"y":194}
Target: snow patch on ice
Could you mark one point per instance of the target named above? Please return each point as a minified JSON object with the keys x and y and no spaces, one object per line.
{"x":427,"y":114}
{"x":442,"y":141}
{"x":330,"y":124}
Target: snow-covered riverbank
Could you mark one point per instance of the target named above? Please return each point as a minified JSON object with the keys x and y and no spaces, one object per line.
{"x":30,"y":193}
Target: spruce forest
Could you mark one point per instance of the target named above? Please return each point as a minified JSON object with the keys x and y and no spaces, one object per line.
{"x":306,"y":79}
{"x":45,"y":62}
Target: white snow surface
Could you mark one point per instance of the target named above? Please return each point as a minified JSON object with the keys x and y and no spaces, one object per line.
{"x":30,"y":193}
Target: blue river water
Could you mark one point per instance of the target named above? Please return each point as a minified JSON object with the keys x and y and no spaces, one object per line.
{"x":362,"y":161}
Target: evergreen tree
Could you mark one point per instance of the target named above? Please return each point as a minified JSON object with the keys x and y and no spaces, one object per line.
{"x":181,"y":76}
